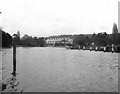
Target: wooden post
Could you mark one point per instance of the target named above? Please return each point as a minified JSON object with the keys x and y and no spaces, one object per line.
{"x":79,"y":47}
{"x":90,"y":48}
{"x":104,"y":49}
{"x":83,"y":47}
{"x":14,"y":57}
{"x":112,"y":48}
{"x":96,"y":48}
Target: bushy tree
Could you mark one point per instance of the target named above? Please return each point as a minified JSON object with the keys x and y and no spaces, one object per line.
{"x":6,"y":39}
{"x":80,"y":40}
{"x":42,"y":42}
{"x":32,"y":41}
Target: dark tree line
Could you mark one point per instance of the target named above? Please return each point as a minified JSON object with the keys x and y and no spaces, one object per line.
{"x":100,"y":39}
{"x":6,"y":39}
{"x":32,"y":41}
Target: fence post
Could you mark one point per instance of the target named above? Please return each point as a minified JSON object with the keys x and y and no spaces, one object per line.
{"x":14,"y":56}
{"x":96,"y":48}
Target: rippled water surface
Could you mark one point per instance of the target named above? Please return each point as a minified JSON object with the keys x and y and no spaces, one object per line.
{"x":59,"y":69}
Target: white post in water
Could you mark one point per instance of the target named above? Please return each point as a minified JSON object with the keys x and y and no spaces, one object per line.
{"x":79,"y":47}
{"x":83,"y":47}
{"x":90,"y":48}
{"x":96,"y":48}
{"x":104,"y":49}
{"x":112,"y":48}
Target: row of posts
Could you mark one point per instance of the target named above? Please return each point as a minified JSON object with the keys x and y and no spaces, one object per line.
{"x":96,"y":48}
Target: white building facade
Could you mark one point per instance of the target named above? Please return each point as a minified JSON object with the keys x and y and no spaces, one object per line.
{"x":61,"y":40}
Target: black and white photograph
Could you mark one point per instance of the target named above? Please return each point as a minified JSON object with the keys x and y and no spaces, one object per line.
{"x":67,"y":46}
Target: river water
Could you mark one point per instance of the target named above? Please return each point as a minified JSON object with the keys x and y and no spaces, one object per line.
{"x":50,"y":69}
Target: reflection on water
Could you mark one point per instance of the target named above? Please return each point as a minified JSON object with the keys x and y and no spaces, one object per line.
{"x":59,"y":69}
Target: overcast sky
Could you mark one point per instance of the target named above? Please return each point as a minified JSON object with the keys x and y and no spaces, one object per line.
{"x":53,"y":17}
